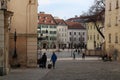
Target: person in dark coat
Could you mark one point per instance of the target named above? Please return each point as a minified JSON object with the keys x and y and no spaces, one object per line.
{"x":53,"y":59}
{"x":44,"y":60}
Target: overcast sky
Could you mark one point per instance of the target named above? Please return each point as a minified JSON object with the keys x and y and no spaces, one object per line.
{"x":64,"y":8}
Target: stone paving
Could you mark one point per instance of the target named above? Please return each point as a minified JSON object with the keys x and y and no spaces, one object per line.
{"x":70,"y":70}
{"x":25,"y":74}
{"x":84,"y":70}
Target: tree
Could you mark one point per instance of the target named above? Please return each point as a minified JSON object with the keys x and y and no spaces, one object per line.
{"x":96,"y":14}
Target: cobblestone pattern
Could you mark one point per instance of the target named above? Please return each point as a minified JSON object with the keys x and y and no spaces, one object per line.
{"x":70,"y":70}
{"x":84,"y":70}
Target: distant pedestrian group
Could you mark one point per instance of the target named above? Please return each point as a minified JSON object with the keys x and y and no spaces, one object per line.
{"x":42,"y":61}
{"x":78,"y":51}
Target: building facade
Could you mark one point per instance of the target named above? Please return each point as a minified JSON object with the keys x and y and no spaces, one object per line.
{"x":24,"y":22}
{"x":5,"y":22}
{"x":76,"y":35}
{"x":94,"y":39}
{"x":112,"y":28}
{"x":47,"y":31}
{"x":62,"y":34}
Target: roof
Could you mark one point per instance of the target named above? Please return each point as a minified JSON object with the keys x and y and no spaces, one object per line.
{"x":46,"y":19}
{"x":60,"y":22}
{"x":88,"y":18}
{"x":74,"y":25}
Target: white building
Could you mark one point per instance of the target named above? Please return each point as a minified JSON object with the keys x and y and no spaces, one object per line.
{"x":62,"y":33}
{"x":76,"y":35}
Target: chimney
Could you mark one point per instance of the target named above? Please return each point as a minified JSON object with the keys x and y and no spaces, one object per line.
{"x":42,"y":12}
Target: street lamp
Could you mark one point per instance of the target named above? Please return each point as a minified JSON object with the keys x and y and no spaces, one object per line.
{"x":47,"y":38}
{"x":15,"y":39}
{"x":39,"y":48}
{"x":94,"y":44}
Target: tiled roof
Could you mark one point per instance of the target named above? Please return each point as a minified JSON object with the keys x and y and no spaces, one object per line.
{"x":46,"y":19}
{"x":60,"y":22}
{"x":74,"y":25}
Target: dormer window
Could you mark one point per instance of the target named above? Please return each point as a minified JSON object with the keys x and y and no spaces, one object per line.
{"x":45,"y":17}
{"x":51,"y":21}
{"x":45,"y":21}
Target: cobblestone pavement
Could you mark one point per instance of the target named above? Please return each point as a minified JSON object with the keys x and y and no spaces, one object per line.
{"x":84,"y":70}
{"x":25,"y":74}
{"x":70,"y":70}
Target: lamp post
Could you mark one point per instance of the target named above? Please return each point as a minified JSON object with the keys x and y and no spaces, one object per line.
{"x":47,"y":38}
{"x":94,"y":44}
{"x":15,"y":39}
{"x":40,"y":38}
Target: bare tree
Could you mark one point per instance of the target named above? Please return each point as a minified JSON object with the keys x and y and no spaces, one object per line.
{"x":96,"y":14}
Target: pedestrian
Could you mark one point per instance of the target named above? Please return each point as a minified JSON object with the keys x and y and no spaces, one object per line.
{"x":73,"y":55}
{"x":83,"y":53}
{"x":78,"y":51}
{"x":53,"y":59}
{"x":44,"y":60}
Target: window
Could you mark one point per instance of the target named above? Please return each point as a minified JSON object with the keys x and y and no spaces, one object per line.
{"x":116,"y":38}
{"x":90,"y":37}
{"x":52,"y":38}
{"x":98,"y":37}
{"x":74,"y":39}
{"x":70,"y":33}
{"x":44,"y":26}
{"x":109,"y":6}
{"x":83,"y":33}
{"x":116,"y":21}
{"x":52,"y":27}
{"x":94,"y":27}
{"x":109,"y":38}
{"x":91,"y":27}
{"x":44,"y":31}
{"x":62,"y":34}
{"x":117,"y":4}
{"x":62,"y":29}
{"x":83,"y":39}
{"x":74,"y":33}
{"x":109,"y":23}
{"x":70,"y":39}
{"x":52,"y":32}
{"x":65,"y":35}
{"x":94,"y":37}
{"x":79,"y":33}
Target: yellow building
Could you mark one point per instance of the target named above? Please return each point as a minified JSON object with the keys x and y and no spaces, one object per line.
{"x":24,"y":21}
{"x":112,"y":28}
{"x":94,"y":39}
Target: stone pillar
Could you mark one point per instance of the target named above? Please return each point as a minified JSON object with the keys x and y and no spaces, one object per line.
{"x":1,"y":42}
{"x":4,"y":41}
